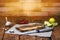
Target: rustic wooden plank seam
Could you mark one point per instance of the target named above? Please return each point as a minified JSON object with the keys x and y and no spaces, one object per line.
{"x":3,"y":34}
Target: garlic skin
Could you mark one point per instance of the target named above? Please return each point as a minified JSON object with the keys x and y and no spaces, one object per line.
{"x":8,"y":23}
{"x":11,"y":31}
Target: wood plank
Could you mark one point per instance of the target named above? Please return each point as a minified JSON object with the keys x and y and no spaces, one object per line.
{"x":11,"y":37}
{"x":51,"y":1}
{"x":26,"y":37}
{"x":56,"y":33}
{"x":2,"y":25}
{"x":8,"y":1}
{"x":42,"y":38}
{"x":1,"y":33}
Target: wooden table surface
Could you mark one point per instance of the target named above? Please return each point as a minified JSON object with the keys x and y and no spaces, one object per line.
{"x":3,"y":36}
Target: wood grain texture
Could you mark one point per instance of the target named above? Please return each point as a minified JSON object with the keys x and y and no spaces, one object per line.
{"x":8,"y":1}
{"x":18,"y":10}
{"x":42,"y":38}
{"x":1,"y":33}
{"x":56,"y":33}
{"x":26,"y":37}
{"x":11,"y":37}
{"x":50,"y":0}
{"x":18,"y":18}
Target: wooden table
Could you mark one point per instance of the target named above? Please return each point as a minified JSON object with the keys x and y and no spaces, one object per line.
{"x":3,"y":36}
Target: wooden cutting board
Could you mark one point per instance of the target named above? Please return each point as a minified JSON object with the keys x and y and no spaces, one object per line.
{"x":30,"y":27}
